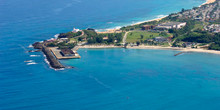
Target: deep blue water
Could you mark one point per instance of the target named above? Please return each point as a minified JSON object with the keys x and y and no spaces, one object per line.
{"x":103,"y":78}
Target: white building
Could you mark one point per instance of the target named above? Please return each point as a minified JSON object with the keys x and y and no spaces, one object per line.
{"x":171,"y":25}
{"x":75,"y":30}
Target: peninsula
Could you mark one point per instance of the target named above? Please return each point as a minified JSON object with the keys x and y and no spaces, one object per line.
{"x":196,"y":30}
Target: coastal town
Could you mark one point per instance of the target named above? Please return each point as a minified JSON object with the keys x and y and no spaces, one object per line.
{"x":197,"y":29}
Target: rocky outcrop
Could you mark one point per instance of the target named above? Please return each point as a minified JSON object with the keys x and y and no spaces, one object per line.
{"x":54,"y":63}
{"x":38,"y":45}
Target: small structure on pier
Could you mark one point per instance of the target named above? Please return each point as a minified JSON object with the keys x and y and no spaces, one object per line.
{"x":64,"y":53}
{"x":67,"y":52}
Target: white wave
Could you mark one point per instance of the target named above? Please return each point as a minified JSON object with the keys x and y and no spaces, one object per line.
{"x":34,"y":55}
{"x":32,"y":63}
{"x":117,"y":27}
{"x":29,"y":61}
{"x":30,"y":46}
{"x":56,"y":36}
{"x":161,"y":16}
{"x":45,"y":59}
{"x":59,"y":69}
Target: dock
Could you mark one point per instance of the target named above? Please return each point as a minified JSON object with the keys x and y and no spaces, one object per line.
{"x":54,"y":63}
{"x":59,"y":56}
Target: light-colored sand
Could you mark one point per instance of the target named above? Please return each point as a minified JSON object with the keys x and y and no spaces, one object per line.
{"x":118,"y":30}
{"x":152,"y":47}
{"x":100,"y":46}
{"x":157,"y":19}
{"x":176,"y":48}
{"x":208,"y":2}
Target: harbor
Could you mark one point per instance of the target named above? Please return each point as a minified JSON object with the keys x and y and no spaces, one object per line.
{"x":64,"y":53}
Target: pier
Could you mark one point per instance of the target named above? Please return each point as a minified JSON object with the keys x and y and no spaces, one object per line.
{"x":53,"y":55}
{"x":179,"y":53}
{"x":54,"y":63}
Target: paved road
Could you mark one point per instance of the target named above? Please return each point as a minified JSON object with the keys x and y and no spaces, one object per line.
{"x":125,"y":37}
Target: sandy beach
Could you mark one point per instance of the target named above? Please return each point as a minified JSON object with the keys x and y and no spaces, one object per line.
{"x":118,"y":30}
{"x":100,"y":46}
{"x":115,"y":30}
{"x":177,"y":48}
{"x":152,"y":47}
{"x":208,"y":2}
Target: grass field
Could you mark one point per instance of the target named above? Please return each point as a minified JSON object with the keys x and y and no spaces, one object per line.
{"x":136,"y":36}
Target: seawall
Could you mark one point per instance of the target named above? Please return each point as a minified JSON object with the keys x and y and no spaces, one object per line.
{"x":54,"y":63}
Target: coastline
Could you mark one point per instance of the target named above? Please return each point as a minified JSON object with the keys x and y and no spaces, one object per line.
{"x":113,"y":30}
{"x":199,"y":50}
{"x":208,"y":2}
{"x":153,"y":47}
{"x":177,"y":48}
{"x":100,"y":46}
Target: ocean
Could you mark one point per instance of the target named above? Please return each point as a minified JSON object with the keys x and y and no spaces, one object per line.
{"x":103,"y":79}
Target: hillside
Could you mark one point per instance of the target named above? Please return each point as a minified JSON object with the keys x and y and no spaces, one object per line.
{"x":208,"y":12}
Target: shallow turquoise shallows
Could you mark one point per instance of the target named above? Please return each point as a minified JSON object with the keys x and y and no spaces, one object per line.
{"x":103,"y":79}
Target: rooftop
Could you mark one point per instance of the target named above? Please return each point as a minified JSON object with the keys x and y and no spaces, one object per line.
{"x":171,"y":23}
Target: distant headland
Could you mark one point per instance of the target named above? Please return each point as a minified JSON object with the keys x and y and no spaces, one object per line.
{"x":190,"y":30}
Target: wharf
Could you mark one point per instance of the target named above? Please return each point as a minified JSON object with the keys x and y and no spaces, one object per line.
{"x":59,"y":56}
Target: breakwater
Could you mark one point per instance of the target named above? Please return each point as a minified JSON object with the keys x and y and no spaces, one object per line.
{"x":54,"y":63}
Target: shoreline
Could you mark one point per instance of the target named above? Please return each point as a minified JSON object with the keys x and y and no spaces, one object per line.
{"x":152,"y":47}
{"x":113,"y":30}
{"x":207,"y":2}
{"x":199,"y":50}
{"x":99,"y":46}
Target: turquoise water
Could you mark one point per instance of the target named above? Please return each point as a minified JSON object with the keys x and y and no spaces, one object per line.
{"x":103,"y":78}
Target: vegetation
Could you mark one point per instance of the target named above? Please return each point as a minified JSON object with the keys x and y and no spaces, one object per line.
{"x":61,"y":45}
{"x":110,"y":38}
{"x":215,"y":46}
{"x":141,"y":36}
{"x":69,"y":35}
{"x":193,"y":32}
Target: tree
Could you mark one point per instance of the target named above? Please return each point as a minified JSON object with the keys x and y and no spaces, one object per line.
{"x":80,"y":39}
{"x":138,"y":43}
{"x":99,"y":39}
{"x":163,"y":34}
{"x":111,"y":39}
{"x":142,"y":36}
{"x":182,"y":10}
{"x":91,"y":41}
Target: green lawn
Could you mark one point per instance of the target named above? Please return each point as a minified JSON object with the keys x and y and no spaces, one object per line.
{"x":73,"y":40}
{"x":136,"y":36}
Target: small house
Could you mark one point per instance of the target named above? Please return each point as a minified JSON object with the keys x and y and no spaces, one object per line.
{"x":75,"y":30}
{"x":148,"y":27}
{"x":105,"y":38}
{"x":160,"y":39}
{"x":170,"y":25}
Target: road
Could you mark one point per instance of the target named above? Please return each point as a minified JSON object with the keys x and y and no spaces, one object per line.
{"x":125,"y":37}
